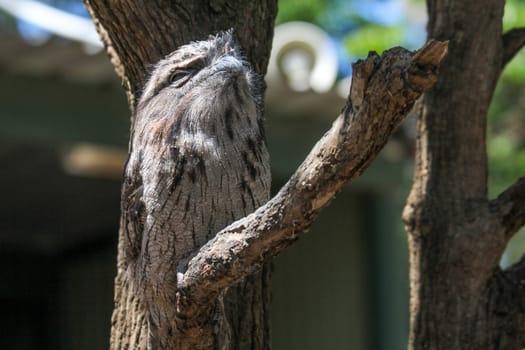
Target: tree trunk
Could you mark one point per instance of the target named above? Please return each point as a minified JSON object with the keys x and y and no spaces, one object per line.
{"x":460,"y":299}
{"x":383,"y":90}
{"x":137,"y":34}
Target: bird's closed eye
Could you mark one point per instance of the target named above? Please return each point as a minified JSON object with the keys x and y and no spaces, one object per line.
{"x":179,"y":77}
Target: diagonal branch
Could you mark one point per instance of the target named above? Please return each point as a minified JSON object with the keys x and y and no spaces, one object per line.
{"x":383,"y":91}
{"x":509,"y":208}
{"x":513,"y":41}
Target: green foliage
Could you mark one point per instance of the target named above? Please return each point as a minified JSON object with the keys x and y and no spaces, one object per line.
{"x":515,"y":70}
{"x":301,"y":10}
{"x":506,"y":161}
{"x":371,"y":37}
{"x":514,"y":14}
{"x":514,"y":17}
{"x":506,"y":124}
{"x":506,"y":134}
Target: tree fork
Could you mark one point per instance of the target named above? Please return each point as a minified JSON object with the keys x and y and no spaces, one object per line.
{"x":383,"y":92}
{"x":460,"y":299}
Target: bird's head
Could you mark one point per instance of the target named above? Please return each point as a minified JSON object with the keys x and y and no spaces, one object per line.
{"x":215,"y":64}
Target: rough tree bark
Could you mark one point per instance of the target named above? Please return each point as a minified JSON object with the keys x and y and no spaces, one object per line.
{"x":383,"y":91}
{"x":460,"y":298}
{"x":137,"y":34}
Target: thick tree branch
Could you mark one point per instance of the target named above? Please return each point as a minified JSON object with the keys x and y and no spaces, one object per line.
{"x":383,"y":91}
{"x":509,"y":208}
{"x":513,"y":41}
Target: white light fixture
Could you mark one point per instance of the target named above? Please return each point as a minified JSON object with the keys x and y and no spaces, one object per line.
{"x":304,"y":55}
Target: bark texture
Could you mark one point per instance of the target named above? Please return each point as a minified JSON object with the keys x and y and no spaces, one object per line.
{"x":137,"y":35}
{"x":198,"y":161}
{"x":383,"y":91}
{"x":460,"y":299}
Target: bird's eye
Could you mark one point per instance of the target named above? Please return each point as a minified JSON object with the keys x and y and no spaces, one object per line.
{"x":179,"y":77}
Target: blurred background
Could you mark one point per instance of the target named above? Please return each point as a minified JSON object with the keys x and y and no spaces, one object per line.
{"x":64,"y":127}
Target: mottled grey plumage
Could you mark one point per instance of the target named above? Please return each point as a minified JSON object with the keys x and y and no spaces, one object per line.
{"x":202,"y":163}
